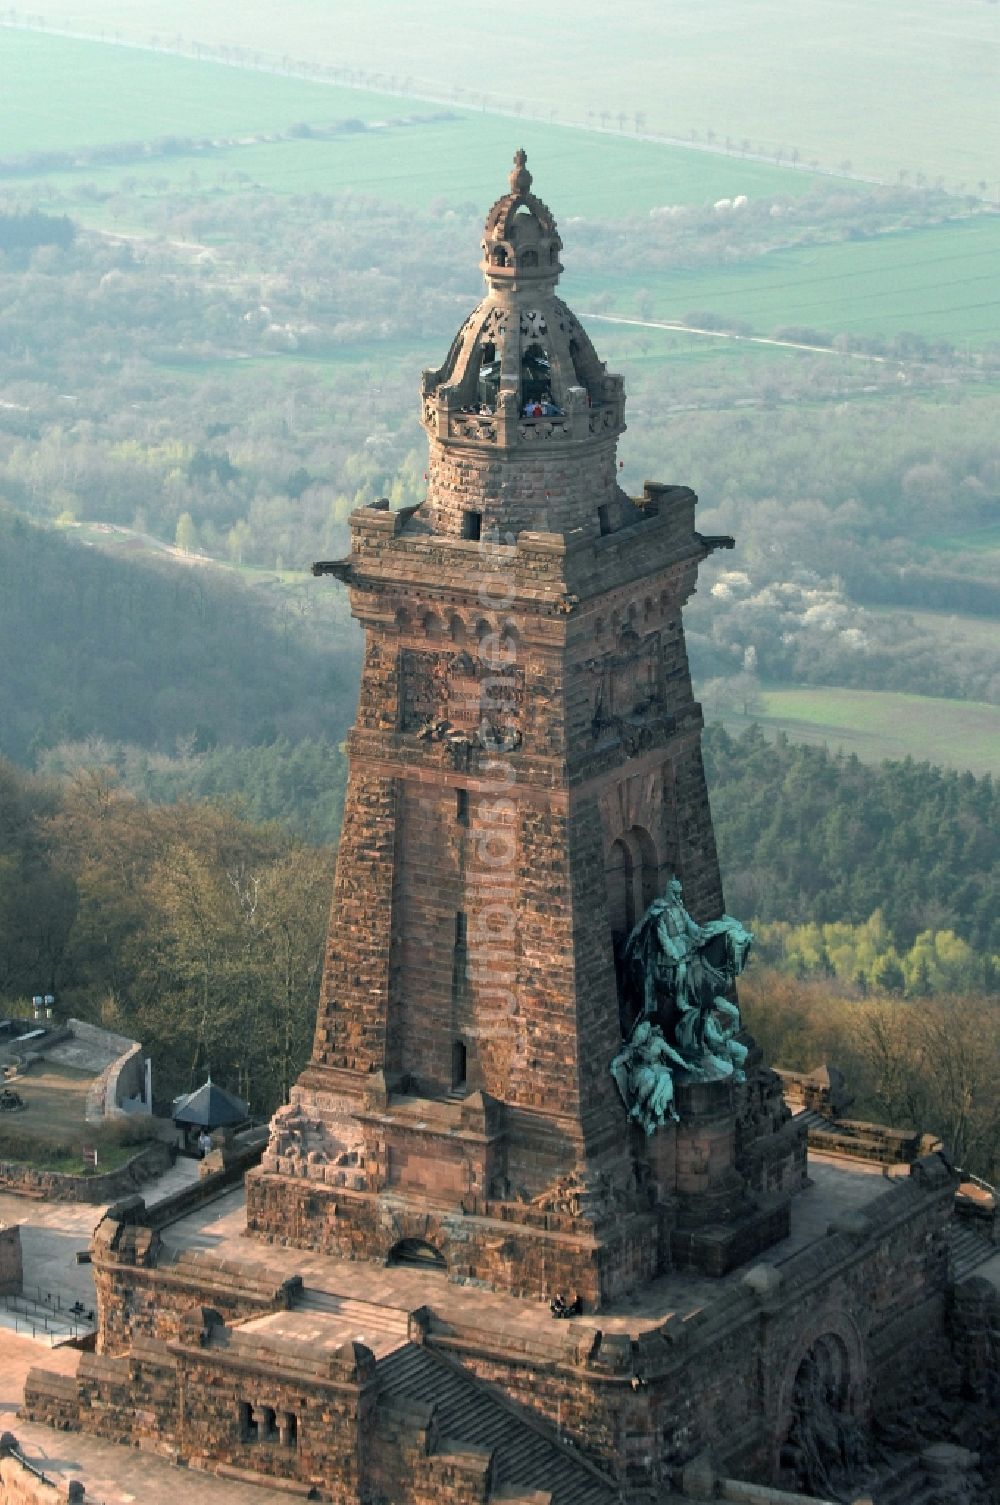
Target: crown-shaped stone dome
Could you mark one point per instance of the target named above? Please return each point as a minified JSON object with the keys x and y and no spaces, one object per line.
{"x":522,"y":382}
{"x":521,"y":244}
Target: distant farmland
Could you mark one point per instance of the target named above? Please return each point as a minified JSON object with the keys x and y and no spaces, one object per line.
{"x":876,"y":725}
{"x":900,"y":85}
{"x":940,"y":281}
{"x":110,"y":94}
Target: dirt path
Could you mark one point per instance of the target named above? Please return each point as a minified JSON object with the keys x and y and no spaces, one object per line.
{"x":746,"y":339}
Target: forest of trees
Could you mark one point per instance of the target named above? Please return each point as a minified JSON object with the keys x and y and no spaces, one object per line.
{"x":927,"y":1064}
{"x":182,"y":926}
{"x":201,"y":934}
{"x":809,"y":836}
{"x":158,"y":656}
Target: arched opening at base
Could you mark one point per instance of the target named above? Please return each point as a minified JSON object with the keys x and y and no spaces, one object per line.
{"x":417,"y":1252}
{"x":824,"y":1448}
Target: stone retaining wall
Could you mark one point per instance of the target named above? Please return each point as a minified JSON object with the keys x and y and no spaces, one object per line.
{"x":56,"y":1186}
{"x":122,"y":1079}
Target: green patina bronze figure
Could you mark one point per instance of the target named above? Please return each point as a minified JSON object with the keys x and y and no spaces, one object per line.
{"x":678,"y":973}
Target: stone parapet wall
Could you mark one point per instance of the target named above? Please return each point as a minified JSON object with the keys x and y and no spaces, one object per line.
{"x":723,"y":1377}
{"x":21,"y":1484}
{"x":154,"y":1302}
{"x":507,"y":1255}
{"x":867,"y":1141}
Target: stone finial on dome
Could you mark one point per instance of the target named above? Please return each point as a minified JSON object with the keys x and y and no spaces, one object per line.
{"x":520,"y":178}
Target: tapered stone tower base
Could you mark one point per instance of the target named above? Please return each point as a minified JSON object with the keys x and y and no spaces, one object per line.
{"x":525,"y":777}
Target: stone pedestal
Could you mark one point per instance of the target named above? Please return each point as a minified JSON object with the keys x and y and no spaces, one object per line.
{"x":719,"y":1225}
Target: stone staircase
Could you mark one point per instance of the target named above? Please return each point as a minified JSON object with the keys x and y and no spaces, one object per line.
{"x":469,"y":1413}
{"x":381,"y":1328}
{"x":969,"y":1249}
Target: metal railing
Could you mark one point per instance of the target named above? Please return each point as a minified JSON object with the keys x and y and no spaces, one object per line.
{"x":45,"y":1315}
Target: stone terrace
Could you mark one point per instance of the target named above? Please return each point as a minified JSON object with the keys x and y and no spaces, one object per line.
{"x":369,"y":1302}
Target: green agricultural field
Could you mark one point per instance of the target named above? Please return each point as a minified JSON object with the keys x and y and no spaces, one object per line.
{"x":875,"y":725}
{"x":903,"y":84}
{"x":109,"y":94}
{"x":939,"y":281}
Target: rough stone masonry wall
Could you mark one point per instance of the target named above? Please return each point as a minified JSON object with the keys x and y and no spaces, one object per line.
{"x":550,"y":487}
{"x":134,"y":1302}
{"x":106,"y":1186}
{"x":332,"y":1419}
{"x":722,"y":1379}
{"x":975,"y":1335}
{"x":350,"y":1028}
{"x":193,"y":1400}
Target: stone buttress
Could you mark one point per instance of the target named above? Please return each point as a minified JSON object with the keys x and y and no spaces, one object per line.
{"x":525,"y":777}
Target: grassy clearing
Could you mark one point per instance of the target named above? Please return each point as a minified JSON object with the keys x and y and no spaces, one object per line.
{"x":904,"y":84}
{"x":51,"y":1132}
{"x":970,"y":632}
{"x":877,"y":725}
{"x":56,"y":1098}
{"x":982,"y":543}
{"x":938,"y":281}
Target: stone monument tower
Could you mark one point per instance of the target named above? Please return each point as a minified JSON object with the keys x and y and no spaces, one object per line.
{"x":525,"y":778}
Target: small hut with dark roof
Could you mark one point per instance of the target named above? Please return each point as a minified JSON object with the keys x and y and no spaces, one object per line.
{"x":210,"y":1107}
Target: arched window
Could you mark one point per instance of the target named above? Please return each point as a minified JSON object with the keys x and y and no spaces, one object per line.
{"x":536,"y":374}
{"x":432,"y":624}
{"x":499,"y":256}
{"x":618,"y":875}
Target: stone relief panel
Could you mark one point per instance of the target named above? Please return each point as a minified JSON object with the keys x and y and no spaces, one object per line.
{"x":625,"y":687}
{"x":455,"y":692}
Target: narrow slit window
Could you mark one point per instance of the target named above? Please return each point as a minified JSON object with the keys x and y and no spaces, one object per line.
{"x":462,"y":806}
{"x":604,"y":520}
{"x":459,"y":1064}
{"x":461,"y":928}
